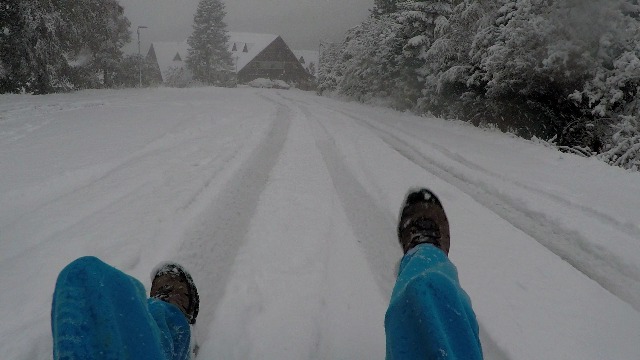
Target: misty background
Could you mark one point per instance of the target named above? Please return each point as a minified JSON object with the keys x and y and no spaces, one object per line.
{"x":301,"y":23}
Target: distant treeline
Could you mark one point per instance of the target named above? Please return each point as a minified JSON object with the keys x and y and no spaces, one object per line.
{"x":567,"y":71}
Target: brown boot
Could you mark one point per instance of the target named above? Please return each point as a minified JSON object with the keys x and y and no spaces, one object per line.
{"x":423,"y":220}
{"x":173,"y":284}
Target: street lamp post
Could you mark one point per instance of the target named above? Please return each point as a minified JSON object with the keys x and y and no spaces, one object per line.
{"x":140,"y":56}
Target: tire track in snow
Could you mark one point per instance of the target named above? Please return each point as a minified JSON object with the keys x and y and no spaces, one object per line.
{"x":211,"y":243}
{"x":370,"y":223}
{"x":617,"y":278}
{"x":301,"y":286}
{"x":379,"y":244}
{"x":626,"y":227}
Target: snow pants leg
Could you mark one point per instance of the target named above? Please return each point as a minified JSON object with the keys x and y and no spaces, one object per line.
{"x":429,"y":315}
{"x":99,"y":312}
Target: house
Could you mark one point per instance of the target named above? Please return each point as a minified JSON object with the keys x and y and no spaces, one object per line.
{"x":168,"y":57}
{"x":254,"y":56}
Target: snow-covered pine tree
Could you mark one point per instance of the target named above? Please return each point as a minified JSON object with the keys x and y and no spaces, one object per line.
{"x":385,"y":55}
{"x":36,"y":59}
{"x":369,"y":61}
{"x":448,"y":90}
{"x":612,"y":94}
{"x":209,"y":58}
{"x":100,"y":28}
{"x":384,"y":7}
{"x":14,"y":71}
{"x":422,"y":22}
{"x":328,"y":67}
{"x":44,"y":35}
{"x":616,"y":49}
{"x":529,"y":61}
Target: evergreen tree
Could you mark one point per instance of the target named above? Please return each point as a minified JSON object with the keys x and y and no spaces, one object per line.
{"x":421,"y":23}
{"x":528,"y":60}
{"x":38,"y":38}
{"x":614,"y":85}
{"x":384,"y":7}
{"x":12,"y":54}
{"x":449,"y":90}
{"x":209,"y":58}
{"x":33,"y":50}
{"x":328,"y":67}
{"x":612,"y":93}
{"x":370,"y":65}
{"x":100,"y":28}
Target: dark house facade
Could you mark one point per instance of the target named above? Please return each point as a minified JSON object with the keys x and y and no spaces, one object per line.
{"x":276,"y":61}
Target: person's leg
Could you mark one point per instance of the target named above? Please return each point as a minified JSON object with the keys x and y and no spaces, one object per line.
{"x":98,"y":312}
{"x":174,"y":329}
{"x":429,"y":315}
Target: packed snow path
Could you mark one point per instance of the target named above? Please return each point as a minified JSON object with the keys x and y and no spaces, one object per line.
{"x":283,"y":206}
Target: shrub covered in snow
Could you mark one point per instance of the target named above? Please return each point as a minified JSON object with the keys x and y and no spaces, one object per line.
{"x":624,"y":147}
{"x":178,"y":77}
{"x":269,"y":84}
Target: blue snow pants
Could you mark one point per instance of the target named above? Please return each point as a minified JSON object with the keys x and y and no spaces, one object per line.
{"x":99,"y":312}
{"x":429,"y":315}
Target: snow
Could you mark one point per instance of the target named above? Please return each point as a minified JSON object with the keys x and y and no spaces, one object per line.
{"x":283,"y":206}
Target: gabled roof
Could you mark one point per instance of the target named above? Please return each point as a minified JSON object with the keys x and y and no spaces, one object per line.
{"x":252,"y":43}
{"x":247,"y":47}
{"x":166,"y":52}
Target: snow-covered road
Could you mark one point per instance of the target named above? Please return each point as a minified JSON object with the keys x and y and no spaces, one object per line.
{"x":283,"y":206}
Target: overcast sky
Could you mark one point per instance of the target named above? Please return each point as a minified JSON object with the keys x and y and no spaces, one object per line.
{"x":302,"y":23}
